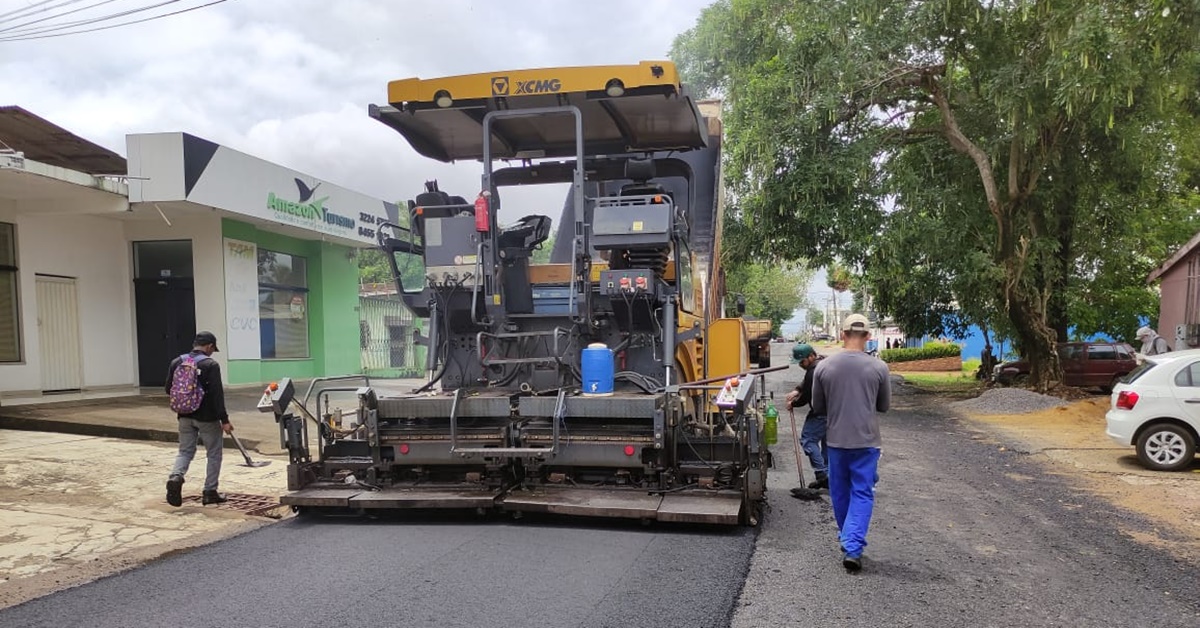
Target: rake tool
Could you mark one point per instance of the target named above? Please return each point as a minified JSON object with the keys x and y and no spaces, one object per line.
{"x":249,"y":462}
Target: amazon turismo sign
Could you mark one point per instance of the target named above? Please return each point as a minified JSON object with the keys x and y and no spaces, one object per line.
{"x":313,"y":211}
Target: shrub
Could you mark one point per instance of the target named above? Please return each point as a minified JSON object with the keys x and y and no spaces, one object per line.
{"x":930,"y":351}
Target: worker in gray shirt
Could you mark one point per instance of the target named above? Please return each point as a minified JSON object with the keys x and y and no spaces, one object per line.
{"x":851,"y":388}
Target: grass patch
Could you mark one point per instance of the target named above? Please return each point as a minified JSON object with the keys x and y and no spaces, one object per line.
{"x":943,"y":382}
{"x":970,"y":366}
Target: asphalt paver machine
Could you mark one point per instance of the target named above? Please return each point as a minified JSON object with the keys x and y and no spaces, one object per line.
{"x":605,"y":383}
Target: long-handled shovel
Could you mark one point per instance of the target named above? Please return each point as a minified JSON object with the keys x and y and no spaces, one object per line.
{"x":803,"y":493}
{"x":246,"y":455}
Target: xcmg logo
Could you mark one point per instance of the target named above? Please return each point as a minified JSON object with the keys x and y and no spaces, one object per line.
{"x":501,"y":86}
{"x":308,"y":210}
{"x":543,"y":86}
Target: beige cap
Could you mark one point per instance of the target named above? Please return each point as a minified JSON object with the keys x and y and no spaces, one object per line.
{"x":856,"y":322}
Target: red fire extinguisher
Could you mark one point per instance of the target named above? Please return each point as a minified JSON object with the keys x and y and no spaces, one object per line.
{"x":481,"y":212}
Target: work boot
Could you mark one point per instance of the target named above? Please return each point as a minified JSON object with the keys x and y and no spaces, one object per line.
{"x":213,"y":497}
{"x":821,"y":482}
{"x":175,"y":491}
{"x":805,"y":494}
{"x":851,"y":563}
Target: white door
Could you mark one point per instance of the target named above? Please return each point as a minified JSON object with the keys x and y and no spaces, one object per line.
{"x":58,"y":333}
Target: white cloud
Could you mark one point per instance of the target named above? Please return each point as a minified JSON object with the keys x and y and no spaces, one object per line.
{"x":290,"y":80}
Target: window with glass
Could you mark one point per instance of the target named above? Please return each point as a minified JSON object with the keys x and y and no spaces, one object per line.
{"x":1191,"y":304}
{"x":1102,"y":352}
{"x":162,"y":259}
{"x":282,"y":305}
{"x":683,"y":268}
{"x":1189,"y":377}
{"x":1069,"y":352}
{"x":10,"y":336}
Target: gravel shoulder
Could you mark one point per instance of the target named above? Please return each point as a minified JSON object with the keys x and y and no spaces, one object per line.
{"x":969,"y":530}
{"x":1069,"y":441}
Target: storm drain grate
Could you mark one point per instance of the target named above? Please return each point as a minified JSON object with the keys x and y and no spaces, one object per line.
{"x":257,"y":505}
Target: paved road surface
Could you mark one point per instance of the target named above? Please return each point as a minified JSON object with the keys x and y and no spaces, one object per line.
{"x":965,"y":535}
{"x":352,"y":573}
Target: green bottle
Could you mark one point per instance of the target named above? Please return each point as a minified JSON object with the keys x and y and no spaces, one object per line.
{"x":771,"y":422}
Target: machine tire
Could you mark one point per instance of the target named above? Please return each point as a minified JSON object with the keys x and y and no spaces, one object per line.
{"x":1166,"y":447}
{"x":764,"y":357}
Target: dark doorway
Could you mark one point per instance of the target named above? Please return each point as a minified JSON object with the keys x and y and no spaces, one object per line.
{"x":165,"y":301}
{"x":166,"y":324}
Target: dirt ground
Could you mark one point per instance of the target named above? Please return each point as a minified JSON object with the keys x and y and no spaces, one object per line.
{"x":1071,"y":439}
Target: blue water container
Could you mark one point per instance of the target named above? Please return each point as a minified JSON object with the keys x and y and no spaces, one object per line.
{"x":597,"y":364}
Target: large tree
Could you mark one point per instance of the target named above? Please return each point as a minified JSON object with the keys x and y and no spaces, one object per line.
{"x":772,"y":291}
{"x":1021,"y":132}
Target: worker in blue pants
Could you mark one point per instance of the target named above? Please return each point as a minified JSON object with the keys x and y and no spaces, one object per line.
{"x":854,"y":473}
{"x":851,"y":389}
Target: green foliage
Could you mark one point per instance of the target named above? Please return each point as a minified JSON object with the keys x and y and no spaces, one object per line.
{"x":931,"y":351}
{"x":1019,"y":165}
{"x":816,"y":317}
{"x":373,"y":267}
{"x":772,"y":291}
{"x":839,"y":278}
{"x":541,"y":255}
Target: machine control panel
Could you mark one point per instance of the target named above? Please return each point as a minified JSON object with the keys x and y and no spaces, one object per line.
{"x":277,"y":397}
{"x":625,"y":283}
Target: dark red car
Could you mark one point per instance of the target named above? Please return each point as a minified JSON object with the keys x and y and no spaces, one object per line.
{"x":1084,"y":364}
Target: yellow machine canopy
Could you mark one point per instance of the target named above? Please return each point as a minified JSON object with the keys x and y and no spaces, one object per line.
{"x":625,"y":108}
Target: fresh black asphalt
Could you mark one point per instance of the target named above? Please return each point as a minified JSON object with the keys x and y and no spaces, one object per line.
{"x":333,"y":572}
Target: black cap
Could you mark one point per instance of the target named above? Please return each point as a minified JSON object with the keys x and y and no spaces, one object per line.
{"x":206,"y":338}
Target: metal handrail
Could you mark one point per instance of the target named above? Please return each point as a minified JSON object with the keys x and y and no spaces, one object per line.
{"x":580,"y":241}
{"x":316,"y":380}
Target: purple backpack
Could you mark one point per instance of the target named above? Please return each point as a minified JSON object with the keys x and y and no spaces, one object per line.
{"x":186,"y":392}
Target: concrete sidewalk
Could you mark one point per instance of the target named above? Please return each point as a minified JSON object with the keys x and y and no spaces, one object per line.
{"x":147,"y":416}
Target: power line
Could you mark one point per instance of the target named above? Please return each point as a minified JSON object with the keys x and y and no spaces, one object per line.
{"x":27,"y":8}
{"x":21,"y":27}
{"x":48,"y":32}
{"x":51,"y":28}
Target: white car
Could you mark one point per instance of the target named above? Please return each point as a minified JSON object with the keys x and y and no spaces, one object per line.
{"x":1156,"y":409}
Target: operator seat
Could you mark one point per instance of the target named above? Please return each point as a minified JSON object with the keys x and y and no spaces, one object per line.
{"x":641,"y":171}
{"x":516,"y":246}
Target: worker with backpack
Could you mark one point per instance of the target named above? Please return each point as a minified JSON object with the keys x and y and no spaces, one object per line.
{"x":198,"y":400}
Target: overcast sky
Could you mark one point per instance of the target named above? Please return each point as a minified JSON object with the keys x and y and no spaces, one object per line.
{"x":290,"y":80}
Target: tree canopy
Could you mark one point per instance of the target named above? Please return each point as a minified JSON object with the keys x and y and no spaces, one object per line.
{"x":1016,"y":164}
{"x":771,"y":291}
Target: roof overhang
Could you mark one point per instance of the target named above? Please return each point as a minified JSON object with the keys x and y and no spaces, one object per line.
{"x":1179,"y":256}
{"x":48,"y":143}
{"x":624,"y":109}
{"x":33,"y":186}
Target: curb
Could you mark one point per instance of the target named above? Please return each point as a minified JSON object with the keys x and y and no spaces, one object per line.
{"x":30,"y":424}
